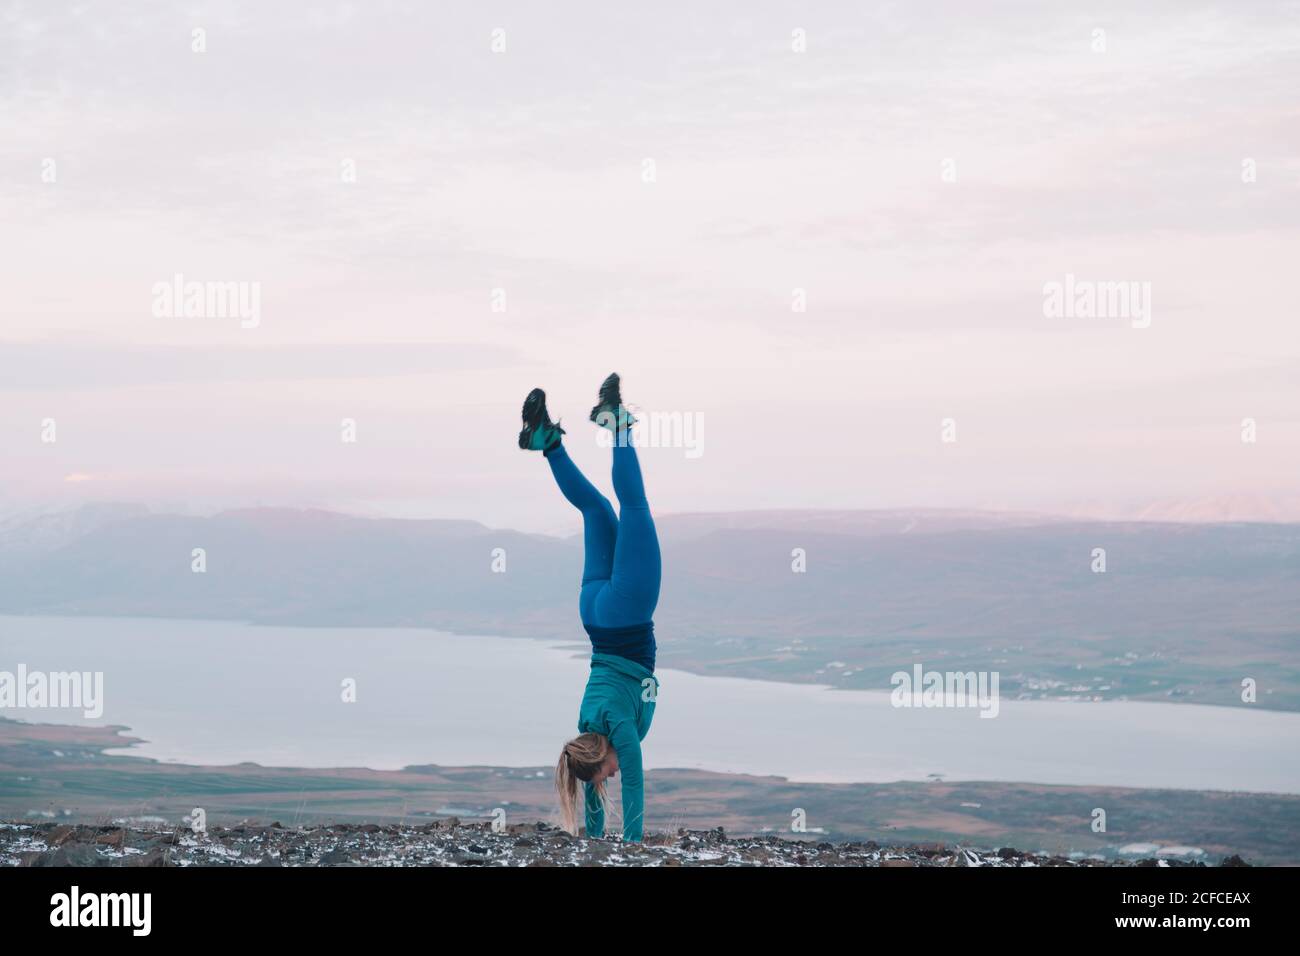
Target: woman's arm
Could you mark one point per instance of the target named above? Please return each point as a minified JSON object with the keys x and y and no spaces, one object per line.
{"x":628,"y":746}
{"x":595,"y":812}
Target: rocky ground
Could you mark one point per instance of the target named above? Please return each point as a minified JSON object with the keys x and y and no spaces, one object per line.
{"x":453,"y":843}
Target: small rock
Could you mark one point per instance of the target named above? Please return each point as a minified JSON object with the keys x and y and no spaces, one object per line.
{"x":155,"y":857}
{"x":70,"y":854}
{"x":60,"y":835}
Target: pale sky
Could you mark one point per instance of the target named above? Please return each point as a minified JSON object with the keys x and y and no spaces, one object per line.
{"x":920,"y":171}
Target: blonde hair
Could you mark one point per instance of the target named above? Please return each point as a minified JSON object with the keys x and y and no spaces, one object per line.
{"x":580,"y":760}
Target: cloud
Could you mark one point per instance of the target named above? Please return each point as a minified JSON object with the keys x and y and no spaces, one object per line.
{"x":79,"y":367}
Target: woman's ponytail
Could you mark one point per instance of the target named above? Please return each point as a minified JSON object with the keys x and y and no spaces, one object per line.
{"x":579,"y":761}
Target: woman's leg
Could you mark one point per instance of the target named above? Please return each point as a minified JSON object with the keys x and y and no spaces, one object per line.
{"x":599,"y":529}
{"x":633,"y":589}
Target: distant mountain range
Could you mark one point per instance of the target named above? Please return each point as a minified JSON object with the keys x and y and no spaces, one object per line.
{"x":1201,"y":510}
{"x":1187,"y":606}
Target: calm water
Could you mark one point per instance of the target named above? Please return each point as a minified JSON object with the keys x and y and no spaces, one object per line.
{"x":211,"y":692}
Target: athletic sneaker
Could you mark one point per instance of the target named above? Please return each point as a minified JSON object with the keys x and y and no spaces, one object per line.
{"x":609,"y":411}
{"x":539,"y":432}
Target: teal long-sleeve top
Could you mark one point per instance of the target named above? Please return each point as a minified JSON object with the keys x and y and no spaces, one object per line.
{"x":619,"y":702}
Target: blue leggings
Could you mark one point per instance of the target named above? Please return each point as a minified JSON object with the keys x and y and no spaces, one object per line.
{"x":621,"y":568}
